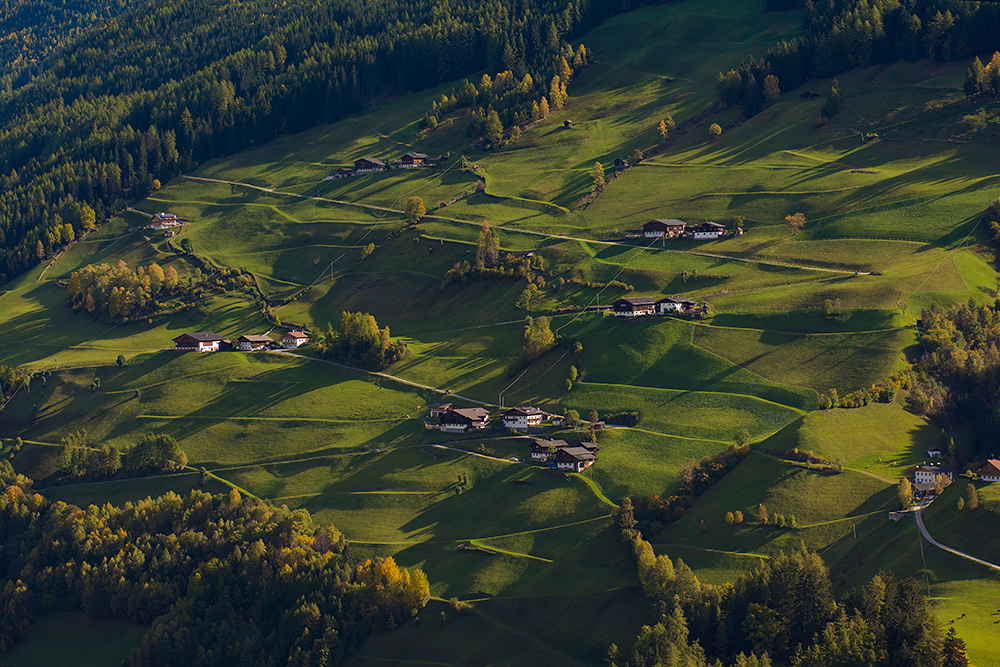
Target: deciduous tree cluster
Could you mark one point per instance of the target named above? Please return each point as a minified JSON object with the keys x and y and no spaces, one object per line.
{"x":119,"y":293}
{"x":957,"y":379}
{"x":358,"y":339}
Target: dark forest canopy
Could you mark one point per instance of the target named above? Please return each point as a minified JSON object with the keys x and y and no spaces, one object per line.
{"x":123,"y":106}
{"x":842,"y":34}
{"x":221,"y":580}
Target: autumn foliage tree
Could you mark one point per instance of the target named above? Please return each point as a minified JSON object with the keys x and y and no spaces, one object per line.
{"x":795,"y":222}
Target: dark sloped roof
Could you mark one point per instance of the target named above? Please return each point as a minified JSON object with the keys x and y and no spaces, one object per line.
{"x":574,"y":454}
{"x":255,"y":338}
{"x":546,"y":444}
{"x":417,"y":156}
{"x":373,"y":160}
{"x":638,"y":300}
{"x":202,"y":337}
{"x":526,"y":410}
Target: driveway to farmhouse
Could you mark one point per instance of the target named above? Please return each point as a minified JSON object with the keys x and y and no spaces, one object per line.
{"x":927,"y":536}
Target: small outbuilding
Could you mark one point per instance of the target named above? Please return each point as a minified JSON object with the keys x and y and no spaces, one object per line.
{"x":567,"y":124}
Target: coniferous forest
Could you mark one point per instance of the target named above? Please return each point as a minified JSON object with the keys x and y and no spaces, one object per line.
{"x":108,"y":114}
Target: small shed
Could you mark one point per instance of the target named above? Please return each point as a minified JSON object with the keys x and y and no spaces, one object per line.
{"x":567,"y":124}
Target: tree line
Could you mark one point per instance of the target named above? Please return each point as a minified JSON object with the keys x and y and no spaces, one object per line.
{"x":116,"y":110}
{"x":151,"y":454}
{"x":845,"y":34}
{"x":219,"y":579}
{"x":784,"y":611}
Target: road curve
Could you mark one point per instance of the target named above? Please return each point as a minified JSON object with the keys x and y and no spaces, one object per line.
{"x":927,"y":536}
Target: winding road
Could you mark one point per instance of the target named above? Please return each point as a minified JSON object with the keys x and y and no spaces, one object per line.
{"x":517,"y":230}
{"x":927,"y":536}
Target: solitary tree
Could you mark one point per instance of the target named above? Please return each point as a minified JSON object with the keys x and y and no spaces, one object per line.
{"x":971,"y":497}
{"x":572,"y":418}
{"x":636,"y":157}
{"x":762,"y":515}
{"x":828,"y":309}
{"x":120,"y":360}
{"x":795,"y":222}
{"x":593,"y":417}
{"x":415,"y":209}
{"x":730,"y":519}
{"x":905,"y":493}
{"x":738,"y":516}
{"x":494,"y":129}
{"x":715,"y":130}
{"x":665,"y":127}
{"x":771,"y":90}
{"x":742,"y":437}
{"x":598,"y":172}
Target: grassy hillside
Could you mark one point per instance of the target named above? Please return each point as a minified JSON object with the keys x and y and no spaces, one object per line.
{"x":890,"y":228}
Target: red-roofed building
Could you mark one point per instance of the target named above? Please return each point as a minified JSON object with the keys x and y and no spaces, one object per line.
{"x":294,"y":339}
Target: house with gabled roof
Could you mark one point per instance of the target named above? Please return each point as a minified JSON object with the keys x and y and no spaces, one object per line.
{"x":368,"y":165}
{"x":460,"y":420}
{"x":413,"y":160}
{"x":634,"y":306}
{"x":989,"y":471}
{"x":663,"y":228}
{"x":205,"y":341}
{"x":253,"y":342}
{"x":523,"y":418}
{"x":294,"y":339}
{"x":705,"y":231}
{"x":546,"y":451}
{"x":574,"y":459}
{"x":675,"y":304}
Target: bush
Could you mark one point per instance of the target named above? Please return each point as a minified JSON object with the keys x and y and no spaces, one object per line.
{"x":715,"y":130}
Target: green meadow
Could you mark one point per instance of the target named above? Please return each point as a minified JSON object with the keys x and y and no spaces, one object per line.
{"x":539,"y":548}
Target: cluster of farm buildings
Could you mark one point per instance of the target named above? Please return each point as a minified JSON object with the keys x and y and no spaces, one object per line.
{"x":670,"y":228}
{"x":638,"y":306}
{"x":209,"y":341}
{"x":557,"y":454}
{"x":925,"y":477}
{"x":370,"y":165}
